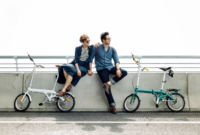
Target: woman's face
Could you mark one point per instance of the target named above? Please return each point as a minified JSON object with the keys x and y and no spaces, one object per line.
{"x":86,"y":42}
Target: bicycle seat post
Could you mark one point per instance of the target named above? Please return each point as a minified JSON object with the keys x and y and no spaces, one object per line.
{"x":32,"y":76}
{"x":163,"y":81}
{"x":138,"y":76}
{"x":55,"y":82}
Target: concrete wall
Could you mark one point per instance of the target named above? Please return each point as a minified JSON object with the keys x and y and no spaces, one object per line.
{"x":194,"y":91}
{"x":10,"y":87}
{"x":89,"y":95}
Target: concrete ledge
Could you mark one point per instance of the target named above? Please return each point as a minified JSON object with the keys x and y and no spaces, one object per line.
{"x":89,"y":95}
{"x":194,"y":91}
{"x":10,"y":88}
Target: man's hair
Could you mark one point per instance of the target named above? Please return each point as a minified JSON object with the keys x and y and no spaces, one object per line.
{"x":83,"y":38}
{"x":103,"y":36}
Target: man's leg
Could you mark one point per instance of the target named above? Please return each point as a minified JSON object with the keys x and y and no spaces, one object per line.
{"x":116,"y":79}
{"x":104,"y":76}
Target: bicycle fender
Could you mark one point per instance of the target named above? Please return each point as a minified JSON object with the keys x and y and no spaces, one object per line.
{"x":178,"y":93}
{"x":71,"y":94}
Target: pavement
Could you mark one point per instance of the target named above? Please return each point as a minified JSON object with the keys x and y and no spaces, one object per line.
{"x":88,"y":123}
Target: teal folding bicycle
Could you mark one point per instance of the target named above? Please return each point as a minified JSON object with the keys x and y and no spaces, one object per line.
{"x":174,"y":100}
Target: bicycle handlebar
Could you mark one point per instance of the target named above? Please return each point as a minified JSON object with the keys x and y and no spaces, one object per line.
{"x":146,"y":69}
{"x":135,"y":60}
{"x":138,"y":64}
{"x":34,"y":62}
{"x":30,"y":57}
{"x":41,"y":66}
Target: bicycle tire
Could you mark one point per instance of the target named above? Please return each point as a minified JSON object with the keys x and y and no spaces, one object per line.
{"x":19,"y":98}
{"x":171,"y":101}
{"x":127,"y":103}
{"x":69,"y":100}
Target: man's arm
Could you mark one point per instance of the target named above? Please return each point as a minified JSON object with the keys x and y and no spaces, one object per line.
{"x":91,"y":59}
{"x":117,"y":65}
{"x":93,"y":54}
{"x":115,"y":57}
{"x":116,"y":60}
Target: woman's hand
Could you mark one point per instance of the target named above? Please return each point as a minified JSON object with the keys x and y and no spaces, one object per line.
{"x":57,"y":65}
{"x":90,"y":72}
{"x":79,"y":73}
{"x":97,"y":44}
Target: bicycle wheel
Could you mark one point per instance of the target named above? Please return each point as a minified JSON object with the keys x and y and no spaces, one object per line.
{"x":176,"y":107}
{"x":67,"y":105}
{"x":131,"y":106}
{"x":19,"y":106}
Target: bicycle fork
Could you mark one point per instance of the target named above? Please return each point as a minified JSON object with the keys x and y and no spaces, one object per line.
{"x":24,"y":99}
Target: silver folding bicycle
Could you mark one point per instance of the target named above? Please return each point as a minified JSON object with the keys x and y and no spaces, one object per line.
{"x":22,"y":102}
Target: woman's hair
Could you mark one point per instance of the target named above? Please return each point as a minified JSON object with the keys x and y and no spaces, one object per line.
{"x":83,"y":38}
{"x":103,"y":36}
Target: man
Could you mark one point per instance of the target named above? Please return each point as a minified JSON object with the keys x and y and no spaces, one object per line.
{"x":104,"y":54}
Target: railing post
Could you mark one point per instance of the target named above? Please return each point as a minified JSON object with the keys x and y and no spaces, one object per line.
{"x":15,"y":57}
{"x":67,"y":59}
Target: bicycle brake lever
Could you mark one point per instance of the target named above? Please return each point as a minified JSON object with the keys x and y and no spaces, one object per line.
{"x":134,"y":58}
{"x":30,"y":57}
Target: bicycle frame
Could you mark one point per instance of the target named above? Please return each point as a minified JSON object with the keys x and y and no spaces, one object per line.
{"x":160,"y":92}
{"x":43,"y":91}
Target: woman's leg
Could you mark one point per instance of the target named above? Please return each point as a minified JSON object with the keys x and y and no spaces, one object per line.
{"x":68,"y":80}
{"x":65,"y":73}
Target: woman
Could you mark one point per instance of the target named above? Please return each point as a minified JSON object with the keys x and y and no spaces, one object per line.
{"x":71,"y":73}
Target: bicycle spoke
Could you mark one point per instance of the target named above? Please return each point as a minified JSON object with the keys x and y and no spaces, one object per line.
{"x":67,"y":104}
{"x":176,"y":105}
{"x":21,"y":106}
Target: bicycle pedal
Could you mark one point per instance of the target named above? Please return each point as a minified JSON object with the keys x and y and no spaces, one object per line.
{"x":40,"y":104}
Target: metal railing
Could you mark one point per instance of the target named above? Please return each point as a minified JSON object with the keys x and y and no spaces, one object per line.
{"x":178,"y":63}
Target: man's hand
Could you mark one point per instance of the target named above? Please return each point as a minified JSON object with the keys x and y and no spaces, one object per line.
{"x":90,"y":72}
{"x":97,"y":44}
{"x":79,"y":73}
{"x":118,"y":73}
{"x":57,"y":65}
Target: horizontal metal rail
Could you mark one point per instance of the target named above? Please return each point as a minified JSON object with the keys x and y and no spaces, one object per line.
{"x":94,"y":67}
{"x":120,"y":63}
{"x":17,"y":66}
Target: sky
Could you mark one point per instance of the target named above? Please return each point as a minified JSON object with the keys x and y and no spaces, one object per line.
{"x":143,"y":27}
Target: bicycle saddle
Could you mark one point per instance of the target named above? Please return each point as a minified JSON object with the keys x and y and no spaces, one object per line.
{"x":165,"y":69}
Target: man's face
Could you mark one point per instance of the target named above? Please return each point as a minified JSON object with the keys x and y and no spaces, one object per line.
{"x":108,"y":39}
